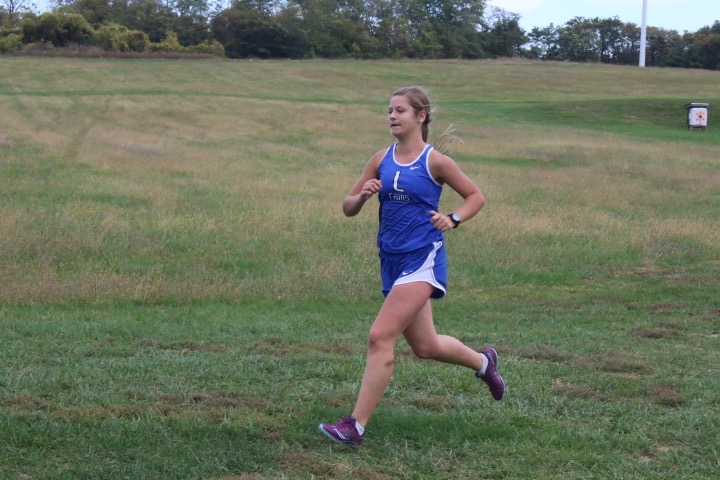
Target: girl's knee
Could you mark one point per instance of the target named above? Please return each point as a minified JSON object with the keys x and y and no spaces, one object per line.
{"x":425,"y":351}
{"x":378,"y":340}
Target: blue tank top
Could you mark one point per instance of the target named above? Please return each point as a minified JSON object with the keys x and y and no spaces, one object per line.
{"x":407,"y":195}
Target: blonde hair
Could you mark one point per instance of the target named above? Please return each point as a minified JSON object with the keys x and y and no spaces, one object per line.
{"x":420,"y":101}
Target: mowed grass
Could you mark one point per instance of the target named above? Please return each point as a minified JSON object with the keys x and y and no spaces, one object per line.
{"x":181,"y":296}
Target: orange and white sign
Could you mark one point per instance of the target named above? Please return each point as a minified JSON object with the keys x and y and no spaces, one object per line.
{"x":697,"y":117}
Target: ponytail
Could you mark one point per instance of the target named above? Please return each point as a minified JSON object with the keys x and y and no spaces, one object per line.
{"x":425,"y":128}
{"x":442,"y":143}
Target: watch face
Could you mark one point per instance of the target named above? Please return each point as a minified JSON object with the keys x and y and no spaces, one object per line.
{"x":455,"y":217}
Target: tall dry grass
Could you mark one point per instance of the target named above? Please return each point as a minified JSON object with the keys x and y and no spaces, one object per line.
{"x":189,"y":181}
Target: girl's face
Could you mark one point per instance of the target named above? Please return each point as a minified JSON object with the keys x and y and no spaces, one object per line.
{"x":403,"y":118}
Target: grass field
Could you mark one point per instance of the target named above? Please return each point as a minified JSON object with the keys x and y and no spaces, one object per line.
{"x":181,"y":296}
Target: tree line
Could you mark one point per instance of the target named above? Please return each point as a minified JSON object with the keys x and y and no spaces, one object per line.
{"x":428,"y":29}
{"x":609,"y":40}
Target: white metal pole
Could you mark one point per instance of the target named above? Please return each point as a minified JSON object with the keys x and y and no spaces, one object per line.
{"x":643,"y":35}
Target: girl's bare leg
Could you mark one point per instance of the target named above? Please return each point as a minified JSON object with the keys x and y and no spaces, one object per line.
{"x":426,"y":343}
{"x":400,"y":309}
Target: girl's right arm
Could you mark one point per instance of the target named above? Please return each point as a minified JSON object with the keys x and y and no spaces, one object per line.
{"x":366,"y":186}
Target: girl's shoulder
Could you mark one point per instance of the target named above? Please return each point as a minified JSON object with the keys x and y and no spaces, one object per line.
{"x":438,"y":158}
{"x":380,"y":155}
{"x":440,"y":165}
{"x":384,"y":151}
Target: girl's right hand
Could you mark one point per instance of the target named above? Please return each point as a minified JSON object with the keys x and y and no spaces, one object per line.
{"x":370,"y":188}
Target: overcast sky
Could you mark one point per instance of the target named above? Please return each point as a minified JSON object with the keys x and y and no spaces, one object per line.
{"x":680,"y":15}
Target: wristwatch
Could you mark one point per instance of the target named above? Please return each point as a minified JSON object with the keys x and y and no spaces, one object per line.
{"x":455,"y":219}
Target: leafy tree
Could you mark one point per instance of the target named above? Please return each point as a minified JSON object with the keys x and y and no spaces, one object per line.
{"x":696,"y":50}
{"x":583,"y":40}
{"x":329,"y":26}
{"x":265,"y":7}
{"x":609,"y":34}
{"x":10,"y":43}
{"x":190,"y":19}
{"x":12,"y":8}
{"x":191,"y":29}
{"x":96,"y":12}
{"x":542,"y":43}
{"x":118,"y":38}
{"x":289,"y":19}
{"x":212,"y":47}
{"x":58,"y":28}
{"x":189,"y":8}
{"x":660,"y":44}
{"x":10,"y":31}
{"x":707,"y":43}
{"x":359,"y":28}
{"x":578,"y":41}
{"x":454,"y":24}
{"x":628,"y":51}
{"x":503,"y":36}
{"x":169,"y":44}
{"x":245,"y":32}
{"x":150,"y":16}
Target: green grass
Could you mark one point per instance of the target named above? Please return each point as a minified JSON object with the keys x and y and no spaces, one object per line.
{"x":181,"y":296}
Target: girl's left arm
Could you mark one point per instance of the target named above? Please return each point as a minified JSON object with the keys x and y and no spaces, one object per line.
{"x":447,"y":171}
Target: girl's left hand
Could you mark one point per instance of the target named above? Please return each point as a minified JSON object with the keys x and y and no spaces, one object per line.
{"x":441,"y":221}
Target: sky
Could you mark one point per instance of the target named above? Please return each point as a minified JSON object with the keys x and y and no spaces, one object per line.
{"x":680,"y":15}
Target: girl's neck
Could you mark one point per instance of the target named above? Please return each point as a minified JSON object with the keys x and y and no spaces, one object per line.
{"x":410,"y":147}
{"x":407,"y":153}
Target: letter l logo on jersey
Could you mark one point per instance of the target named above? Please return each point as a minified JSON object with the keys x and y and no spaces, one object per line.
{"x":395,"y":183}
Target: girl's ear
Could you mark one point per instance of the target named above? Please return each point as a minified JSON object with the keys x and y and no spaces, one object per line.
{"x":421,"y":116}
